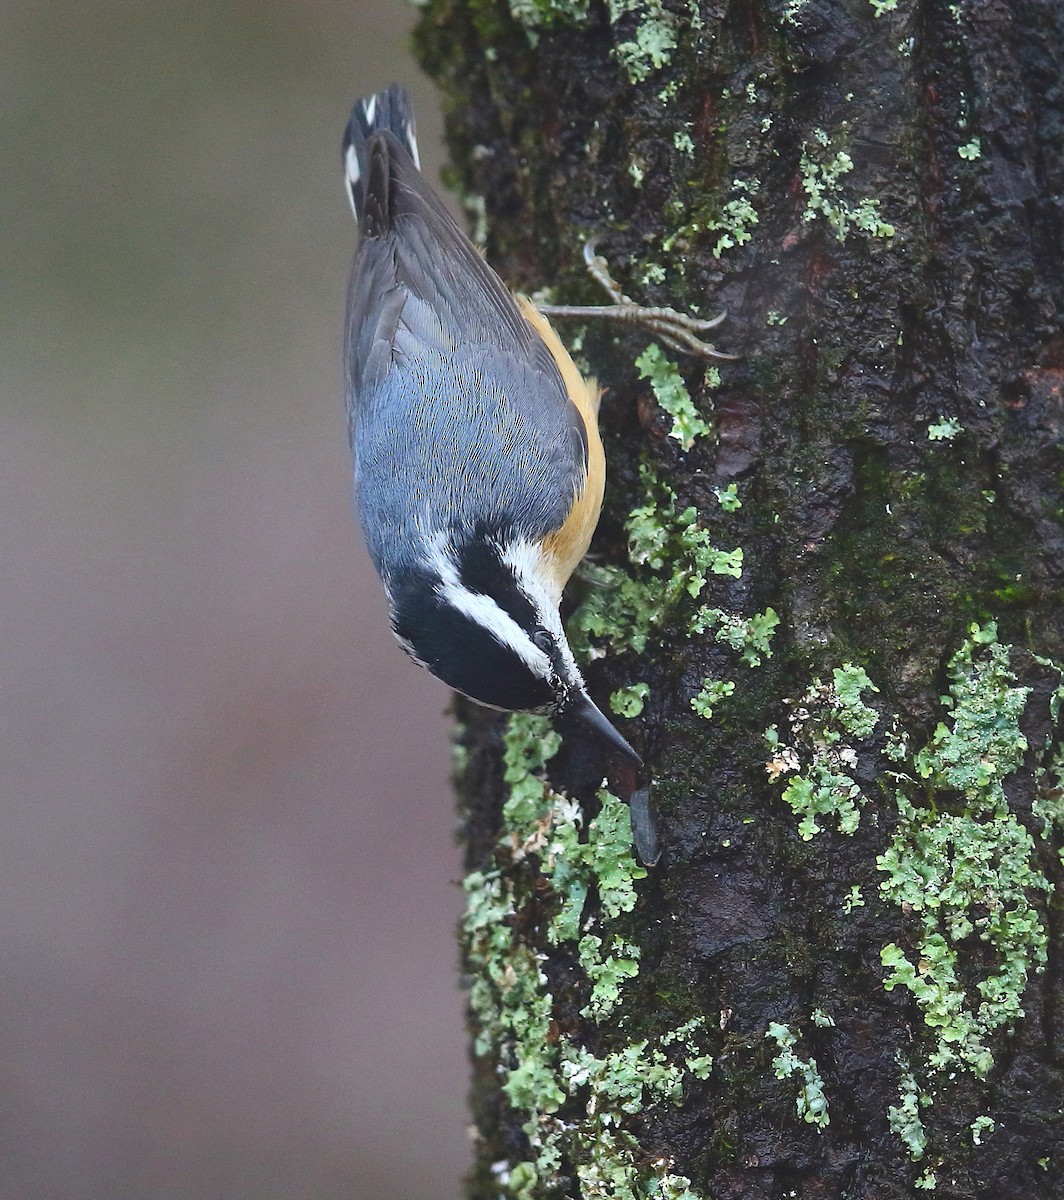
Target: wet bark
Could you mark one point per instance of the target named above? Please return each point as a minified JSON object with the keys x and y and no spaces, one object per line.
{"x":875,"y":192}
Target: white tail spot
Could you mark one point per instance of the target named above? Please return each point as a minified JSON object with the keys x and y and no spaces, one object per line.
{"x":353,"y":175}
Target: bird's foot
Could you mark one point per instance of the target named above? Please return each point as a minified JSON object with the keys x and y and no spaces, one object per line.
{"x":676,"y":329}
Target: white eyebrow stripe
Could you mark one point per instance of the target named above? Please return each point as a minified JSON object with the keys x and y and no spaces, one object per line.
{"x":525,"y":559}
{"x":487,"y":614}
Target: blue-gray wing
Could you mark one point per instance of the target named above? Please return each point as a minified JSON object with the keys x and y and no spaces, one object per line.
{"x":458,"y":412}
{"x":412,"y":245}
{"x":450,"y":443}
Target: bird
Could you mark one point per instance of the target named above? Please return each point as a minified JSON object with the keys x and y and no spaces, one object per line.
{"x":479,"y":470}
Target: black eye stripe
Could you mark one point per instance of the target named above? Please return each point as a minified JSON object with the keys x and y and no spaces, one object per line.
{"x":481,"y":570}
{"x":479,"y":566}
{"x":462,"y":653}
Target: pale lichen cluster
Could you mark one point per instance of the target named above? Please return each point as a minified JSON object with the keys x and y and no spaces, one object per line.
{"x":575,"y":1098}
{"x":673,"y":557}
{"x":821,"y":169}
{"x":672,"y":560}
{"x":904,"y":1117}
{"x":818,"y":756}
{"x":965,"y":864}
{"x":811,"y":1103}
{"x":709,"y":696}
{"x":959,"y":859}
{"x":945,"y":429}
{"x":672,"y":394}
{"x":654,"y":38}
{"x":732,"y":220}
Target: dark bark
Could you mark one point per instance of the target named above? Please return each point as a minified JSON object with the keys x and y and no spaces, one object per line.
{"x":893,"y":432}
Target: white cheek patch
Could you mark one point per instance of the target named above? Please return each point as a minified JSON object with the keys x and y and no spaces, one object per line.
{"x":488,"y":615}
{"x":525,"y":559}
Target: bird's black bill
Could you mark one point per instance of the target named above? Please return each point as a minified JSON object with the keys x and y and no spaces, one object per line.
{"x":582,"y":709}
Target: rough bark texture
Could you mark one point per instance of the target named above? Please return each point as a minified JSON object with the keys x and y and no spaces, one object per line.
{"x":857,"y":917}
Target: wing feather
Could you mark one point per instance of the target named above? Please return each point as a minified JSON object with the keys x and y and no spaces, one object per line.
{"x":450,"y":386}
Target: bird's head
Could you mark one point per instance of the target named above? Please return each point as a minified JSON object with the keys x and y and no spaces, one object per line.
{"x":485,"y":620}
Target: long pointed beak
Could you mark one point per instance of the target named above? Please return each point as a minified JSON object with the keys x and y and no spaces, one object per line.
{"x":583,"y":709}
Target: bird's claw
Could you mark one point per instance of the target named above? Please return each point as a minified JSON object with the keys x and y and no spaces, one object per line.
{"x":676,"y":329}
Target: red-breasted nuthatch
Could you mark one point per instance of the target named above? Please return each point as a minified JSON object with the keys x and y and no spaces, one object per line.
{"x":479,"y":469}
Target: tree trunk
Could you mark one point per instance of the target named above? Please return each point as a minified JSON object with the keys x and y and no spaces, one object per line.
{"x":825,"y":603}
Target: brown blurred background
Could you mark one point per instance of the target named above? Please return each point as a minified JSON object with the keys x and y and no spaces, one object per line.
{"x":227,"y":964}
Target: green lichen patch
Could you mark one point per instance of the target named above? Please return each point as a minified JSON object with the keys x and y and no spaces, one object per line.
{"x":737,"y":217}
{"x":982,"y":1127}
{"x":971,"y":150}
{"x":750,"y":637}
{"x":682,"y":141}
{"x":944,"y":430}
{"x":812,"y":1102}
{"x":965,"y":866}
{"x":671,"y":393}
{"x":1048,"y":803}
{"x":821,"y":170}
{"x":536,"y":14}
{"x":819,"y":754}
{"x":964,"y":875}
{"x":629,"y":701}
{"x":728,"y":497}
{"x":712,"y":692}
{"x":732,"y":220}
{"x":607,"y":973}
{"x":574,"y":1102}
{"x":968,"y":870}
{"x":647,"y":49}
{"x":904,"y":1117}
{"x":792,"y":11}
{"x":981,"y":743}
{"x":654,"y":41}
{"x":675,"y":557}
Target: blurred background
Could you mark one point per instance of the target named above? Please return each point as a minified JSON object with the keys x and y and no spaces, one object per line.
{"x":227,"y":897}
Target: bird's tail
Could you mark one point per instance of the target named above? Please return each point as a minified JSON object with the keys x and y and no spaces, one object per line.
{"x":387,"y":112}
